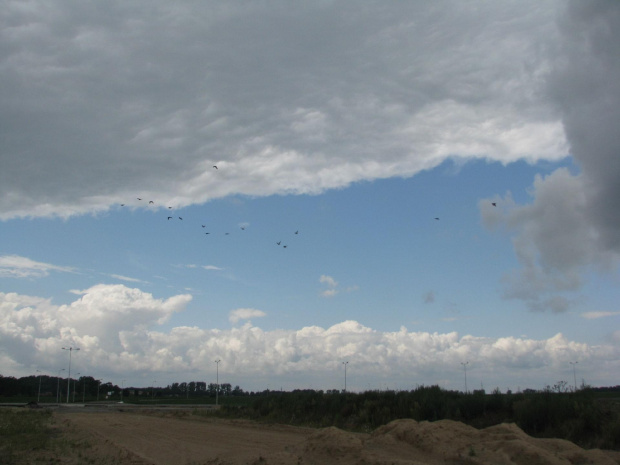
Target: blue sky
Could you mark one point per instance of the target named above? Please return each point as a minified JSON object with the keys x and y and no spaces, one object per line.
{"x":385,"y":120}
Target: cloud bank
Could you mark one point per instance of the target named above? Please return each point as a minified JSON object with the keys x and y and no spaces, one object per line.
{"x":144,"y":100}
{"x":118,"y":331}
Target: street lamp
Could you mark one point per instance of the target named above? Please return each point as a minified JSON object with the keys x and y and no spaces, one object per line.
{"x":465,"y":368}
{"x":39,"y":394}
{"x":58,"y":387}
{"x":75,"y":384}
{"x":70,"y":349}
{"x":574,"y":373}
{"x":345,"y":375}
{"x":217,"y":380}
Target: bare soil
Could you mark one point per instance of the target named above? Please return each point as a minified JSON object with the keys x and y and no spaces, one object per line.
{"x":178,"y":438}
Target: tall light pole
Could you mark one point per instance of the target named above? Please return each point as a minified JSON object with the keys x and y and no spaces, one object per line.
{"x":465,"y":368}
{"x":574,"y":373}
{"x":345,"y":375}
{"x":70,"y":349}
{"x":58,"y":387}
{"x":39,"y":394}
{"x":217,"y":380}
{"x":74,"y":385}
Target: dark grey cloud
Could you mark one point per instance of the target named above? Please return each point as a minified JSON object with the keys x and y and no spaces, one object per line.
{"x":103,"y":100}
{"x":572,"y":226}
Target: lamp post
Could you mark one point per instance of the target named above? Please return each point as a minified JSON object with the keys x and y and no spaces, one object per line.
{"x":70,"y":349}
{"x":465,"y":368}
{"x":345,"y":375}
{"x":217,"y":380}
{"x":58,"y":387}
{"x":74,"y":385}
{"x":39,"y":394}
{"x":574,"y":373}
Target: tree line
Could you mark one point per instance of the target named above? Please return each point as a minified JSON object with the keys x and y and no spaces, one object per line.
{"x":52,"y":388}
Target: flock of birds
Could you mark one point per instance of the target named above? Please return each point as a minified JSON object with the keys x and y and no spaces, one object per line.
{"x":180,"y":218}
{"x":242,"y":227}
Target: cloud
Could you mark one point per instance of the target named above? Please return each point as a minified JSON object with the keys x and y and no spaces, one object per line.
{"x":282,"y":100}
{"x":429,"y":297}
{"x":572,"y":228}
{"x":596,"y":315}
{"x":245,"y":314}
{"x":212,"y":267}
{"x":120,"y":334}
{"x":331,"y":286}
{"x":125,"y":278}
{"x":15,"y":266}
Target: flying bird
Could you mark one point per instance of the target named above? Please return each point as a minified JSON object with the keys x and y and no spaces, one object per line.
{"x":215,"y":166}
{"x":279,"y":243}
{"x":180,"y":218}
{"x":204,"y":226}
{"x":243,"y":228}
{"x":169,"y":208}
{"x":150,"y":201}
{"x":296,"y":232}
{"x":436,"y":218}
{"x":122,"y":204}
{"x":139,"y":198}
{"x":169,"y":217}
{"x":494,"y":204}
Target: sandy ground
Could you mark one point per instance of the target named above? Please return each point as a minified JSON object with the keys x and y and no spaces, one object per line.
{"x":172,"y":438}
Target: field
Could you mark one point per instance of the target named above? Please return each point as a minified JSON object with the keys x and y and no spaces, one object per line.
{"x":131,"y":435}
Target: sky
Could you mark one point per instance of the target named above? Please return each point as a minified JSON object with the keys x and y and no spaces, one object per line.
{"x":390,"y":194}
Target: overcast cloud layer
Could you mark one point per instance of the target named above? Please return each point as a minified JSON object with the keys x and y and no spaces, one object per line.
{"x":115,"y":328}
{"x":103,"y":101}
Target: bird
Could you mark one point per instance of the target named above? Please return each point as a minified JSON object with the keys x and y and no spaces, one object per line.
{"x":436,"y":218}
{"x":180,"y":218}
{"x":204,"y":226}
{"x":226,"y":234}
{"x":150,"y":201}
{"x":169,"y":217}
{"x":139,"y":198}
{"x":169,"y":208}
{"x":207,"y":233}
{"x":494,"y":204}
{"x":243,"y":228}
{"x":122,"y":204}
{"x":279,"y":243}
{"x":296,"y":232}
{"x":284,"y":246}
{"x":215,"y":166}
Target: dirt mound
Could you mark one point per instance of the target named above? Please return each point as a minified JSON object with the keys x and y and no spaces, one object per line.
{"x":448,"y":441}
{"x":131,"y":438}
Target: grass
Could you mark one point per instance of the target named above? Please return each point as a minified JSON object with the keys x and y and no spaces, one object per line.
{"x":32,"y":436}
{"x":23,"y":431}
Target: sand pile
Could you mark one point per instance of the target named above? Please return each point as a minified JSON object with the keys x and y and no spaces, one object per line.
{"x":444,"y":442}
